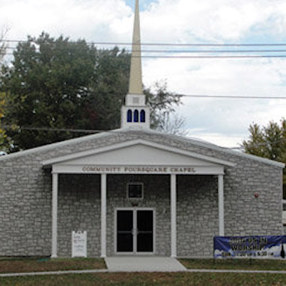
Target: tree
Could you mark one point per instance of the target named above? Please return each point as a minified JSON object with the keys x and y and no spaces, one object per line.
{"x":3,"y":45}
{"x":268,"y":142}
{"x":2,"y":131}
{"x":47,"y":85}
{"x":63,"y":85}
{"x":107,"y":90}
{"x":162,"y":104}
{"x":172,"y":124}
{"x":4,"y":140}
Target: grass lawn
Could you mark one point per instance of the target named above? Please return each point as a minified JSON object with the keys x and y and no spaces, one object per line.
{"x":13,"y":265}
{"x":246,"y":264}
{"x":214,"y":279}
{"x":204,"y":279}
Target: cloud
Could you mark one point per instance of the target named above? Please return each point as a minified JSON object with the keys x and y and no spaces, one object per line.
{"x":226,"y":77}
{"x":180,"y":21}
{"x":209,"y":20}
{"x":79,"y":19}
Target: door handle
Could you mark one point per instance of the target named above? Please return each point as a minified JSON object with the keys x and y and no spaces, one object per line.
{"x":135,"y":231}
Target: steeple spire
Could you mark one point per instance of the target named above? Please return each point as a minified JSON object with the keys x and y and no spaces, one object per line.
{"x":135,"y":83}
{"x":135,"y":113}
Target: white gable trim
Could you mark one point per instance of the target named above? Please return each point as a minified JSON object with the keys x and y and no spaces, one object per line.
{"x":132,"y":143}
{"x":175,"y":137}
{"x":205,"y":144}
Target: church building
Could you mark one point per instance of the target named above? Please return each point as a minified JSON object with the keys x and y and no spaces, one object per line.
{"x":135,"y":191}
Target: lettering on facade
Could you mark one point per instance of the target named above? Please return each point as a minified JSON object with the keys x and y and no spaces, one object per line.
{"x":142,"y":170}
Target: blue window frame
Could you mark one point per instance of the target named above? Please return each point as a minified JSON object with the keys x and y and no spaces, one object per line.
{"x":142,"y":115}
{"x":136,"y":116}
{"x":129,"y":115}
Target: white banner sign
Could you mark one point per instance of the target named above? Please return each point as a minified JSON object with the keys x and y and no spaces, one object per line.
{"x":79,"y":244}
{"x":141,"y":170}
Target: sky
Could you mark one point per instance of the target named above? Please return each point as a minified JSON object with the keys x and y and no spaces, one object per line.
{"x":224,"y":122}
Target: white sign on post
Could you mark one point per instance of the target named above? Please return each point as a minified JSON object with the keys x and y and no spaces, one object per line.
{"x":79,"y":244}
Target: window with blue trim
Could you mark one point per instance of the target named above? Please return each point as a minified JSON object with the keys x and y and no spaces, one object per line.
{"x":142,"y":115}
{"x":136,"y":116}
{"x":129,"y":115}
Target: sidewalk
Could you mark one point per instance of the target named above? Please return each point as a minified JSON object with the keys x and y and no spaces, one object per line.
{"x":143,"y":264}
{"x":108,"y":271}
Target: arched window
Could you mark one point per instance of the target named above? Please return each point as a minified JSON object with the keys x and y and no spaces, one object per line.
{"x":136,"y":116}
{"x":129,"y":115}
{"x":142,"y":115}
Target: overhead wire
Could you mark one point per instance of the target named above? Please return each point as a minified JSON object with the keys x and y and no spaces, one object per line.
{"x":234,"y":96}
{"x":181,"y":57}
{"x":212,"y":53}
{"x":256,"y":145}
{"x":170,"y":44}
{"x":198,"y":57}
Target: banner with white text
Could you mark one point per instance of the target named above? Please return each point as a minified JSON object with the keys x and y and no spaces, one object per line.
{"x":250,"y":246}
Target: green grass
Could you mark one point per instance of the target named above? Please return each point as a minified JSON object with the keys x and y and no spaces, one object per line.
{"x":204,"y":279}
{"x":13,"y":265}
{"x":9,"y":265}
{"x":246,"y":264}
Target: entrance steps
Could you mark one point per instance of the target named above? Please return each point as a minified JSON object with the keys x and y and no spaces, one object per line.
{"x":143,"y":264}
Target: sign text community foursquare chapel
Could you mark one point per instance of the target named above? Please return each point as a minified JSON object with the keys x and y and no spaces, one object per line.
{"x":250,"y":246}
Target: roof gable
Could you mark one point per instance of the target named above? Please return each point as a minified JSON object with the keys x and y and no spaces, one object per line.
{"x":137,"y":152}
{"x":185,"y":140}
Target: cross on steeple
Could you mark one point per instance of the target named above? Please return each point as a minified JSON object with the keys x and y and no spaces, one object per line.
{"x":135,"y":113}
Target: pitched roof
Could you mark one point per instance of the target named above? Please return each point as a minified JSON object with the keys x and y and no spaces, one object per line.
{"x":193,"y":141}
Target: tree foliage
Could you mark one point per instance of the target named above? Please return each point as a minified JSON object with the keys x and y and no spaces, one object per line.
{"x":2,"y":131}
{"x":4,"y":142}
{"x":268,"y":142}
{"x":172,"y":124}
{"x":60,"y":84}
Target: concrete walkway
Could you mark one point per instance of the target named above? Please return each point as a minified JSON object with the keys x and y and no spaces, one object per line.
{"x":143,"y":264}
{"x":107,"y":271}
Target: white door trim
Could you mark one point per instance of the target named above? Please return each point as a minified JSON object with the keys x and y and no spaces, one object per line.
{"x":134,"y":210}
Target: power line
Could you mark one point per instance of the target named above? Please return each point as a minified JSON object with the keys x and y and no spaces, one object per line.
{"x":171,"y":44}
{"x":197,"y":51}
{"x":51,"y":129}
{"x":234,"y":96}
{"x":197,"y":57}
{"x":212,"y":51}
{"x":214,"y":57}
{"x":256,"y":145}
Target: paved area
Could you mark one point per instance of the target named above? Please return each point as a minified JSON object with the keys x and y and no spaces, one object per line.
{"x":53,"y":273}
{"x":143,"y":264}
{"x":106,"y":271}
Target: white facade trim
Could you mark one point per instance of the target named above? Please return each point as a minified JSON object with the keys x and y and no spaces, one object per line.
{"x":132,"y":143}
{"x":55,"y":215}
{"x":148,"y":131}
{"x":221,"y":205}
{"x":103,"y":214}
{"x":139,"y":169}
{"x":173,"y":216}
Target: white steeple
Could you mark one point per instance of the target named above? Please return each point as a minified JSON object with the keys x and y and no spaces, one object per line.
{"x":135,"y":113}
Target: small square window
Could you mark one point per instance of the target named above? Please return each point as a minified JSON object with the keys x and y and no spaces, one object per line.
{"x":135,"y":191}
{"x":135,"y":100}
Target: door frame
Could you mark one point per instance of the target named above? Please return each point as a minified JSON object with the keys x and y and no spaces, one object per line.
{"x":134,"y":209}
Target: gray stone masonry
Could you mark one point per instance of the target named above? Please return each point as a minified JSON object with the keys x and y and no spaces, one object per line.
{"x":26,"y":194}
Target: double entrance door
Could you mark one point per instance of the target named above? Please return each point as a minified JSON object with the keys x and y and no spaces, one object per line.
{"x":134,"y":231}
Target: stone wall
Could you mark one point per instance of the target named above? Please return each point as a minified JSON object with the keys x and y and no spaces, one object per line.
{"x":197,"y":215}
{"x":25,"y":199}
{"x":79,"y":210}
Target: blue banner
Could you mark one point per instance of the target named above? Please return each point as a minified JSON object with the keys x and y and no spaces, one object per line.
{"x":250,"y":246}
